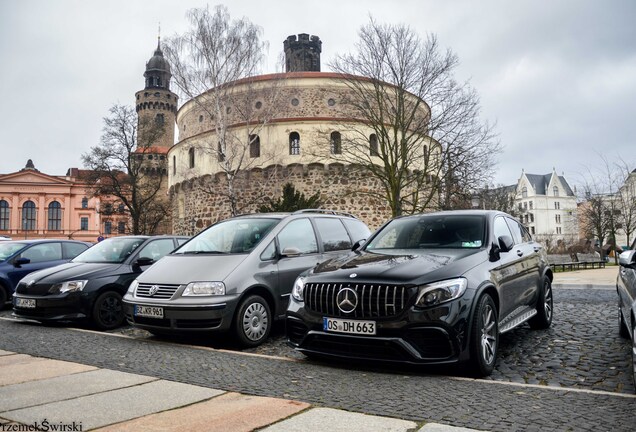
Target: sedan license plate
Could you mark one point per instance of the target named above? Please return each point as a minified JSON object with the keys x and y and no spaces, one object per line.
{"x":25,"y":303}
{"x":348,"y":326}
{"x":148,"y":311}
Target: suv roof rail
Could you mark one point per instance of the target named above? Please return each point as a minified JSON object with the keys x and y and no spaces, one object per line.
{"x":331,"y":212}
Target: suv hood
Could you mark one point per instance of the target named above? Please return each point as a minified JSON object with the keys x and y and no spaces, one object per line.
{"x":74,"y":271}
{"x":434,"y":264}
{"x":182,"y":269}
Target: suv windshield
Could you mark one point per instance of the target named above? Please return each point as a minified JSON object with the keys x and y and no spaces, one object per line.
{"x":8,"y":249}
{"x":231,"y":236}
{"x":112,"y":250}
{"x":431,"y":232}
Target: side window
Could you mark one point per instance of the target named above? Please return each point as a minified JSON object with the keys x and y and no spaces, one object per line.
{"x":333,"y":234}
{"x":298,"y":234}
{"x":71,"y":250}
{"x":501,"y":228}
{"x":43,"y":252}
{"x":358,"y":230}
{"x":517,"y":231}
{"x":156,"y":249}
{"x":181,"y":241}
{"x":269,"y":253}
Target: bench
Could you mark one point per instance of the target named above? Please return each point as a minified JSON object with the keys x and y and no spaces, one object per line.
{"x":564,"y":262}
{"x":590,"y":260}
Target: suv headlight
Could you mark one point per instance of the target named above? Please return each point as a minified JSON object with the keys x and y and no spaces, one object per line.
{"x":440,"y":292}
{"x":298,"y":291}
{"x":133,"y":286}
{"x":204,"y":289}
{"x":68,"y":286}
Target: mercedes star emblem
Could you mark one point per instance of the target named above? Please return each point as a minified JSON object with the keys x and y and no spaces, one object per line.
{"x":347,"y":300}
{"x":352,"y":275}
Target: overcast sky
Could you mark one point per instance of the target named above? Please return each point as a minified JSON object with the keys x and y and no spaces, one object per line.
{"x":557,"y":76}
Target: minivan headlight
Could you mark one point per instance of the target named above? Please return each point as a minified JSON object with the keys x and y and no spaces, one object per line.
{"x":441,"y":292}
{"x":204,"y":289}
{"x":133,"y":286}
{"x":68,"y":286}
{"x":298,"y":291}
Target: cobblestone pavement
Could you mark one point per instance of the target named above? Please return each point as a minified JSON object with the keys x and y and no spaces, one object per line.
{"x":581,"y":354}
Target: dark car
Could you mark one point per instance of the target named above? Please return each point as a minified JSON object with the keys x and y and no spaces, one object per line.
{"x":18,"y":258}
{"x":626,"y":287}
{"x":92,"y":285}
{"x":237,"y":274}
{"x":436,"y":288}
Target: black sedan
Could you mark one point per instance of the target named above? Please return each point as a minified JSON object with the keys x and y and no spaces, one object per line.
{"x":626,"y":286}
{"x":92,"y":285}
{"x":436,"y":288}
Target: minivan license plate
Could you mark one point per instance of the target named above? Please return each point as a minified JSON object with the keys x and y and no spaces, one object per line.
{"x":148,"y":311}
{"x":348,"y":326}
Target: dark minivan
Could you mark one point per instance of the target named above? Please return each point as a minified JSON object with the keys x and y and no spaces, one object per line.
{"x":93,"y":284}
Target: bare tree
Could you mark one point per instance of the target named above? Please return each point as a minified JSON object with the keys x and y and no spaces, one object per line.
{"x":626,"y":201}
{"x":213,"y":65}
{"x":419,"y":129}
{"x":499,"y":197}
{"x":117,"y":171}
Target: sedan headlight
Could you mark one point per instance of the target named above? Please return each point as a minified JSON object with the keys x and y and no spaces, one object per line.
{"x":133,"y":286}
{"x":440,"y":292}
{"x":204,"y":289}
{"x":298,"y":291}
{"x":68,"y":286}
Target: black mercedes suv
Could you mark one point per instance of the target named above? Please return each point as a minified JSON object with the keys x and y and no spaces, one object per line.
{"x":434,"y":288}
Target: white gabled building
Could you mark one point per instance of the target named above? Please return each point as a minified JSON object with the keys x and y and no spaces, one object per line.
{"x":547,"y":206}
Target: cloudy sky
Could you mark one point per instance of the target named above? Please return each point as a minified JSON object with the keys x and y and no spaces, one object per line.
{"x":557,"y":76}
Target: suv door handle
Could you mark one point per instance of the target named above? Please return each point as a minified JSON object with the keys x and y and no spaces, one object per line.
{"x":537,"y":248}
{"x":519,"y":253}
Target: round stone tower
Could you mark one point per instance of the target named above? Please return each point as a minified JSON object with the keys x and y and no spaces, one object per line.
{"x":302,"y":53}
{"x":156,"y":104}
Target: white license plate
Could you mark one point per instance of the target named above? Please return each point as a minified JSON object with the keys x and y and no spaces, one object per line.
{"x":148,"y":311}
{"x":25,"y":303}
{"x":348,"y":326}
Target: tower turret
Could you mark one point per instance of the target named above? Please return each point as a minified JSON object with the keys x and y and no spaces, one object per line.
{"x":302,"y":53}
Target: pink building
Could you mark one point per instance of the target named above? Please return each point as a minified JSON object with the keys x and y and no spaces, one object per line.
{"x":38,"y":205}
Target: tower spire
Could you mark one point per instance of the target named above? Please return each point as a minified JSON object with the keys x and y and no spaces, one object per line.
{"x":159,"y":37}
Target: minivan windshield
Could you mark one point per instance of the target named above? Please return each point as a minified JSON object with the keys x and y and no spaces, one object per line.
{"x":431,"y":232}
{"x":112,"y":250}
{"x":230,"y":236}
{"x":8,"y":249}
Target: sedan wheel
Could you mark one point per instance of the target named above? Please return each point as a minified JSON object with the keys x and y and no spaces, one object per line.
{"x":253,"y":321}
{"x":485,"y":337}
{"x":108,"y":311}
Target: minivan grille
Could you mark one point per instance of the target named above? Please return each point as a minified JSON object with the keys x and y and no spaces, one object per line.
{"x":162,"y":291}
{"x":373,"y":300}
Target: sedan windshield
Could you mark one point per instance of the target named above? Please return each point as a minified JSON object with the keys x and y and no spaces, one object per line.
{"x":231,"y":236}
{"x":8,"y":249}
{"x":431,"y":232}
{"x":112,"y":250}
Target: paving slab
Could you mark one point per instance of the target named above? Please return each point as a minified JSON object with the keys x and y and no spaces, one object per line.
{"x":587,"y":278}
{"x":19,"y":368}
{"x":229,"y":412}
{"x":437,"y":427}
{"x":114,"y":406}
{"x":65,"y":387}
{"x":335,"y":420}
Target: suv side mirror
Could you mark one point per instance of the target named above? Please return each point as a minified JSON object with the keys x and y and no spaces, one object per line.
{"x":505,"y":243}
{"x":357,"y":245}
{"x":627,"y":259}
{"x":290,"y":251}
{"x":20,"y":261}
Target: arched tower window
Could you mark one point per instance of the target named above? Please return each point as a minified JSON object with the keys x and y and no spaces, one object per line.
{"x":373,"y":145}
{"x":191,"y":157}
{"x":336,"y":143}
{"x":28,"y":216}
{"x":54,"y":216}
{"x":255,"y":146}
{"x":556,"y":191}
{"x":160,"y":119}
{"x":174,"y":165}
{"x":294,"y":143}
{"x":4,"y":215}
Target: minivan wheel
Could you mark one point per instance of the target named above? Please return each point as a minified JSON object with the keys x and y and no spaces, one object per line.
{"x":108,"y":311}
{"x":484,"y":339}
{"x":622,"y":325}
{"x":545,"y":305}
{"x":252,"y":323}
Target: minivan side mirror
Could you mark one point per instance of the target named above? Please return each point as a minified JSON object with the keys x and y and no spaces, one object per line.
{"x":627,"y":258}
{"x":290,"y":251}
{"x":505,"y":243}
{"x":20,"y":261}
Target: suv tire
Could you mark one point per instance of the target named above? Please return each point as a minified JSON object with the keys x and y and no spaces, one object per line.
{"x":484,"y":340}
{"x":545,"y":307}
{"x":253,"y":321}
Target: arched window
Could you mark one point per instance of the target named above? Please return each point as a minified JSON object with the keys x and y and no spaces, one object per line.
{"x":556,"y":191}
{"x":373,"y":145}
{"x":294,"y":143}
{"x":174,"y":165}
{"x":524,"y":192}
{"x":84,"y":202}
{"x":28,"y":216}
{"x":54,"y":216}
{"x":255,"y":146}
{"x":4,"y":215}
{"x":191,"y":157}
{"x":425,"y":150}
{"x":220,"y":153}
{"x":336,"y":143}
